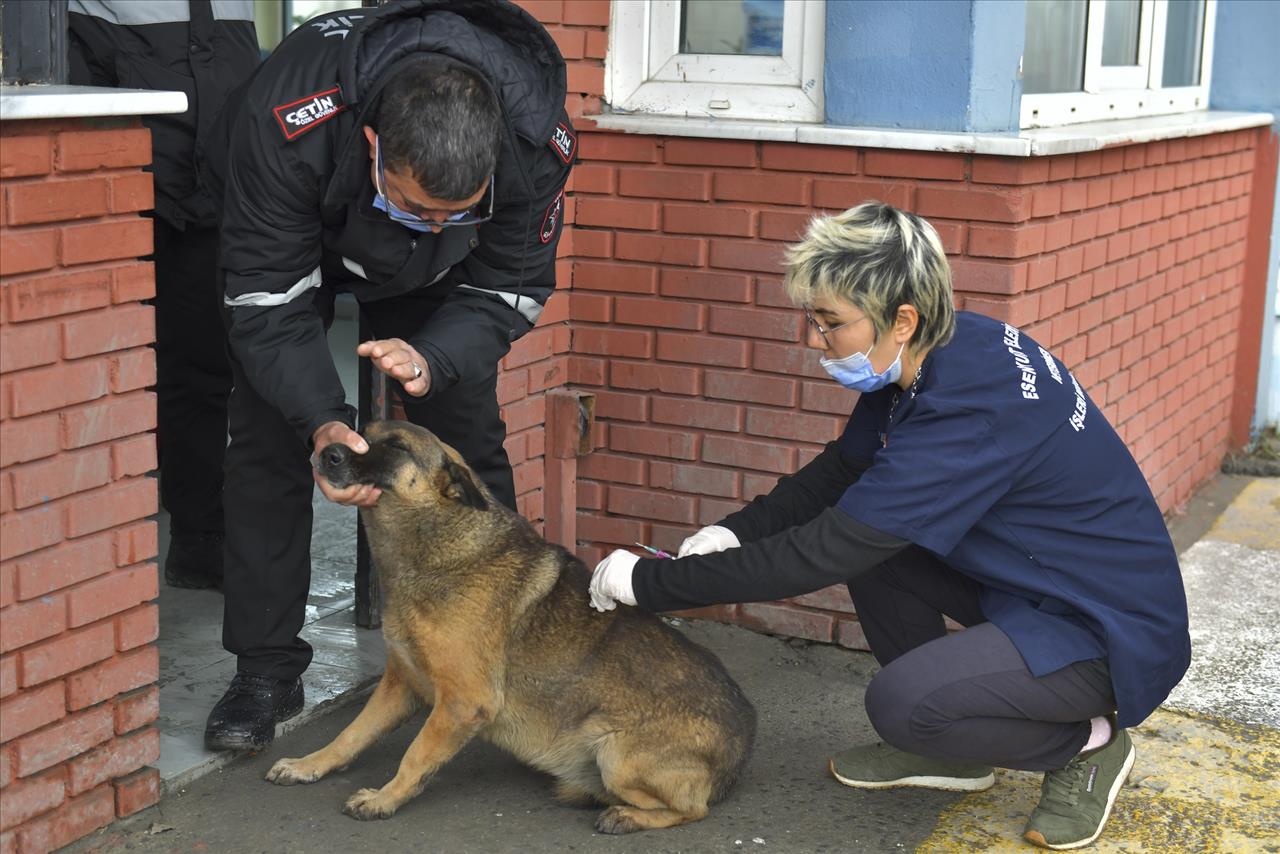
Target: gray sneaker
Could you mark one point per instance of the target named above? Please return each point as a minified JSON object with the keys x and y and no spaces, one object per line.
{"x":1076,"y":801}
{"x":879,"y":766}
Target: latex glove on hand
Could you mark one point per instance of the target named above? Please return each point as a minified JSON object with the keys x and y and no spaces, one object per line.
{"x":611,"y":581}
{"x":711,"y":539}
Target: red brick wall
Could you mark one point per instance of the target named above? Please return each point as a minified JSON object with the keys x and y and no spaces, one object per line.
{"x":540,"y":360}
{"x":78,"y":661}
{"x":537,"y":362}
{"x":1127,"y":263}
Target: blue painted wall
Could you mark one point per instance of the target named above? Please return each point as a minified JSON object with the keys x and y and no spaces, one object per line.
{"x":1246,"y":60}
{"x":948,"y":65}
{"x":1246,"y":76}
{"x":995,"y":86}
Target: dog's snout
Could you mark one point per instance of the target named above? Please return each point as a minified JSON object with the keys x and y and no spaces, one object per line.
{"x":334,"y":455}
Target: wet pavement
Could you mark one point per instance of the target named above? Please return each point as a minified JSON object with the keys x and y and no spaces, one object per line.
{"x":194,"y":668}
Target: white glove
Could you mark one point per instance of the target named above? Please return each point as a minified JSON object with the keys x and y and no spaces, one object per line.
{"x":711,"y":539}
{"x":611,"y":581}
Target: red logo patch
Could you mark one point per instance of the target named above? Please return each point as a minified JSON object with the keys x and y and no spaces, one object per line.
{"x":298,"y":117}
{"x":563,"y":142}
{"x":551,"y":219}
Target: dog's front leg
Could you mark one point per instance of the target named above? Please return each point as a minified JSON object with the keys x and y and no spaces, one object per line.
{"x":454,"y":720}
{"x":391,"y":703}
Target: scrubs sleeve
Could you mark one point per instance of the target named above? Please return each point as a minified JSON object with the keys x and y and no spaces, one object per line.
{"x":940,"y":473}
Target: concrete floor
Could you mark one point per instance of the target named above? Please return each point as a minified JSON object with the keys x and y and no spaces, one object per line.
{"x":194,"y":668}
{"x":1206,"y":778}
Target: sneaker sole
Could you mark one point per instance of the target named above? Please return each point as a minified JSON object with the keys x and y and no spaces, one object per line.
{"x":945,"y":784}
{"x":1035,"y":838}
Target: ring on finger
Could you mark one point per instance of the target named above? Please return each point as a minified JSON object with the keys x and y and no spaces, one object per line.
{"x":417,"y":370}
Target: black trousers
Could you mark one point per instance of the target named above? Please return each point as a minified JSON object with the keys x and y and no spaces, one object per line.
{"x":969,"y":696}
{"x":193,"y":377}
{"x":267,"y":566}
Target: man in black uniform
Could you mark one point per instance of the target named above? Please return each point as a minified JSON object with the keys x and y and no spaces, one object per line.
{"x":415,"y":156}
{"x":203,"y":50}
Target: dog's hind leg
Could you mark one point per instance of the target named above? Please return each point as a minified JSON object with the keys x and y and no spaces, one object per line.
{"x":391,"y":703}
{"x":572,"y":794}
{"x":655,"y":792}
{"x":579,"y":785}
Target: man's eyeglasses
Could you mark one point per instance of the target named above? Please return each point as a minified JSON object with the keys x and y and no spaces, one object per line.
{"x":470,"y":216}
{"x":824,"y":332}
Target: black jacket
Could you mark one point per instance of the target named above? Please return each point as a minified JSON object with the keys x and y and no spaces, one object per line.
{"x":201,"y":49}
{"x":298,"y":199}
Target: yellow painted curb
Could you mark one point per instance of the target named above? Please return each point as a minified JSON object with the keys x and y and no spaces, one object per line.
{"x":1253,"y":518}
{"x":1199,"y":785}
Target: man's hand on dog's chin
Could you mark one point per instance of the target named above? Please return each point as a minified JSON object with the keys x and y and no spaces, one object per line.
{"x":611,"y":581}
{"x":358,"y":495}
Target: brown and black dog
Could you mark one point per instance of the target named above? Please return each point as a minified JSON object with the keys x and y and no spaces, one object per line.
{"x":490,"y":624}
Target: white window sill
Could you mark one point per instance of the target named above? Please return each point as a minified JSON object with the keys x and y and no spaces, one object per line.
{"x":1040,"y":142}
{"x":69,"y":102}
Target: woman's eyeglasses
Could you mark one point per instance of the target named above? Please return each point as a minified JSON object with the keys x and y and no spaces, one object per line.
{"x":824,"y":332}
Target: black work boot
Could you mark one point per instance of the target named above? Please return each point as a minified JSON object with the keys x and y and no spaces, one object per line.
{"x":194,"y":559}
{"x":246,"y":716}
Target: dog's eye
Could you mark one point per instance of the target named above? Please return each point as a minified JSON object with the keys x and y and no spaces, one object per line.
{"x":398,"y":445}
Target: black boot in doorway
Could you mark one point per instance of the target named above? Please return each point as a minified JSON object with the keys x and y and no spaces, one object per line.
{"x":194,"y":560}
{"x":246,"y":716}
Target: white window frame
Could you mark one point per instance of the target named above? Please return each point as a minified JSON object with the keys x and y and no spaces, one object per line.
{"x":1125,"y":92}
{"x":646,"y":73}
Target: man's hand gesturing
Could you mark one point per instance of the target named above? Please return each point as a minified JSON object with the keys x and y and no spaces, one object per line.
{"x":402,"y":363}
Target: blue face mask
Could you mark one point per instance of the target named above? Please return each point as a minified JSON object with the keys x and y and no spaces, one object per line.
{"x":396,"y":215}
{"x":855,"y":371}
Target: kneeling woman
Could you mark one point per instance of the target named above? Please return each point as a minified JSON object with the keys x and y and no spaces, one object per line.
{"x":975,"y":479}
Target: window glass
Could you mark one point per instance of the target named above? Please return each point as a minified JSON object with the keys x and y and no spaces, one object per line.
{"x":752,"y":27}
{"x":1053,"y":60}
{"x":1184,"y":36}
{"x":301,"y":11}
{"x":275,"y":19}
{"x":1120,"y":29}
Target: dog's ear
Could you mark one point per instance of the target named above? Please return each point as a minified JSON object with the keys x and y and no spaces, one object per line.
{"x":460,"y":486}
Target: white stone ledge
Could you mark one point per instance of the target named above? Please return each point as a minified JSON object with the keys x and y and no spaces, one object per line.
{"x":70,"y":102}
{"x":1069,"y":139}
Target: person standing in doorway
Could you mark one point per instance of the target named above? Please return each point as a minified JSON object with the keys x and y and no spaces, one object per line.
{"x":203,"y":49}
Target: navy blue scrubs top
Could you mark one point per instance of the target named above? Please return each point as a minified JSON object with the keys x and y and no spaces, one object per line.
{"x":1002,"y":466}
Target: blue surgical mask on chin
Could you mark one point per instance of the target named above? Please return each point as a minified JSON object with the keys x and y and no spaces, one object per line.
{"x":855,"y":371}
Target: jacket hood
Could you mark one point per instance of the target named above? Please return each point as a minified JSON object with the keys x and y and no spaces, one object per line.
{"x":497,"y":37}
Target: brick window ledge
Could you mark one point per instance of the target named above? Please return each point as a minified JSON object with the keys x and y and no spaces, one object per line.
{"x":1040,"y":142}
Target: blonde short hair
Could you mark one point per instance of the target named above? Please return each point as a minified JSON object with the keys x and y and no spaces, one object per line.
{"x":878,"y":258}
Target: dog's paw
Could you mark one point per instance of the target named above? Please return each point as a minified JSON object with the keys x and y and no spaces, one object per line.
{"x":616,"y":820}
{"x":368,"y":804}
{"x":287,"y":772}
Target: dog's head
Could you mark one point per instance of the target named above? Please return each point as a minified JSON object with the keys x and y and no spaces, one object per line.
{"x":408,"y":462}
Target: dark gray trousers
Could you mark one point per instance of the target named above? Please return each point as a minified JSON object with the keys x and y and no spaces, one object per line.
{"x":968,"y":696}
